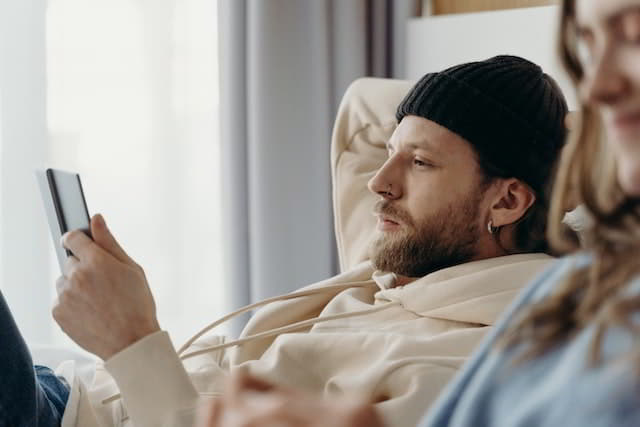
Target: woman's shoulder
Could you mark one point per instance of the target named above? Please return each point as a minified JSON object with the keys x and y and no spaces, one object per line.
{"x":556,"y":275}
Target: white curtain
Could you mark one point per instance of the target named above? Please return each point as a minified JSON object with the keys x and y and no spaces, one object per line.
{"x":132,"y":104}
{"x":284,"y":67}
{"x":24,"y":275}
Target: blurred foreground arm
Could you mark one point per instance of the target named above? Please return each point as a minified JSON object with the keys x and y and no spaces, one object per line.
{"x":251,"y":402}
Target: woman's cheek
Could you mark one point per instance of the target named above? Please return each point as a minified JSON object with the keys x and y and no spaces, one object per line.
{"x":629,"y":172}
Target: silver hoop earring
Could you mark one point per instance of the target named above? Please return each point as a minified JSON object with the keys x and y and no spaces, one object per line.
{"x":490,"y":228}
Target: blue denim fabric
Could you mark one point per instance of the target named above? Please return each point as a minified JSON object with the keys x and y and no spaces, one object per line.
{"x":29,"y":396}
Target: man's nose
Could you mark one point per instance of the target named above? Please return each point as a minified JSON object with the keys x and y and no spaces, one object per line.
{"x":384,"y":183}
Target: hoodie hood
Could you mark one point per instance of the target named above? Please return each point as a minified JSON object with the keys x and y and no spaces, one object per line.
{"x":475,"y":292}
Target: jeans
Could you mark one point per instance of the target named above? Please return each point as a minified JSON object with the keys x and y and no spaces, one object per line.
{"x":30,"y":396}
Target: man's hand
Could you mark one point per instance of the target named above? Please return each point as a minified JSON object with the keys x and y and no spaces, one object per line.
{"x":249,"y":402}
{"x":104,"y":303}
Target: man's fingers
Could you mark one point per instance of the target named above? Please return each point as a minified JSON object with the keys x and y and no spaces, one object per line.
{"x":80,"y":244}
{"x":70,"y":264}
{"x":77,"y":242}
{"x":103,"y":238}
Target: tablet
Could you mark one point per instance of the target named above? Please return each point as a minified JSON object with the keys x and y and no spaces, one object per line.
{"x":65,"y":206}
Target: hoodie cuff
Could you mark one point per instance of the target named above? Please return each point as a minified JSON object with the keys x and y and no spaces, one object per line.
{"x":152,"y":380}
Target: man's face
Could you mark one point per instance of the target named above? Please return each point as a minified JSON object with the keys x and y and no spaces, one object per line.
{"x":430,"y":214}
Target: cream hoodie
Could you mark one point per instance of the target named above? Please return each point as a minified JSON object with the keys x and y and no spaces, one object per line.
{"x":352,"y":334}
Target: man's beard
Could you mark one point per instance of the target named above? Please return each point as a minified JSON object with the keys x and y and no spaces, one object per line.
{"x":444,"y":239}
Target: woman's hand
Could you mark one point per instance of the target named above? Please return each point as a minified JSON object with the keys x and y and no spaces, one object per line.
{"x":249,"y":402}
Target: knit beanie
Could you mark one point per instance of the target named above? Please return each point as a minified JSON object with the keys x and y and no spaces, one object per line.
{"x":506,"y":107}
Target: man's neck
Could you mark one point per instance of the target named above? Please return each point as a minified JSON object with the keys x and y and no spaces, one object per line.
{"x":403,"y":280}
{"x":490,"y":252}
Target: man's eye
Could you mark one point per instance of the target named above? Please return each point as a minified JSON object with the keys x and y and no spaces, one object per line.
{"x":420,"y":163}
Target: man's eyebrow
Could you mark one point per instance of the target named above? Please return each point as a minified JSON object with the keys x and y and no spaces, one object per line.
{"x":422,"y":145}
{"x":414,"y":145}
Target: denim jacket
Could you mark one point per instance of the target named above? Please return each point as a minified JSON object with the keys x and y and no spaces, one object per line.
{"x":559,"y":388}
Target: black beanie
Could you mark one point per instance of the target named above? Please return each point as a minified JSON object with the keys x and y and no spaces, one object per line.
{"x":506,"y":107}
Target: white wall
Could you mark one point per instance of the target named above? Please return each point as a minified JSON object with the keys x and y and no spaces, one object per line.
{"x":434,"y":43}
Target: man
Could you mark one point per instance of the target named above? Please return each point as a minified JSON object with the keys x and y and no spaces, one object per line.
{"x":462,"y":208}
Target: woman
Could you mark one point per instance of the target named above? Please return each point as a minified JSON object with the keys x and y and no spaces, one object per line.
{"x":568,"y":352}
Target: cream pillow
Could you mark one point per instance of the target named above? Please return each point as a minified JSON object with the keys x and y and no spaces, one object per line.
{"x":366,"y":120}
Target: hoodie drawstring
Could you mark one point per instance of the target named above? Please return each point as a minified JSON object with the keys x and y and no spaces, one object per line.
{"x":284,"y":329}
{"x":293,"y":295}
{"x":276,"y":331}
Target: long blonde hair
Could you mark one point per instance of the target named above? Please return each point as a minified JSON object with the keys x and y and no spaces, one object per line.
{"x":586,"y":174}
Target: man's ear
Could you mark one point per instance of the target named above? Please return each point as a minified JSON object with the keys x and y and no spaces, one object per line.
{"x":511,"y":203}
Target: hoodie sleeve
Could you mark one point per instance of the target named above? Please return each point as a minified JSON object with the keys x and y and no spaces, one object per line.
{"x":153,"y":381}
